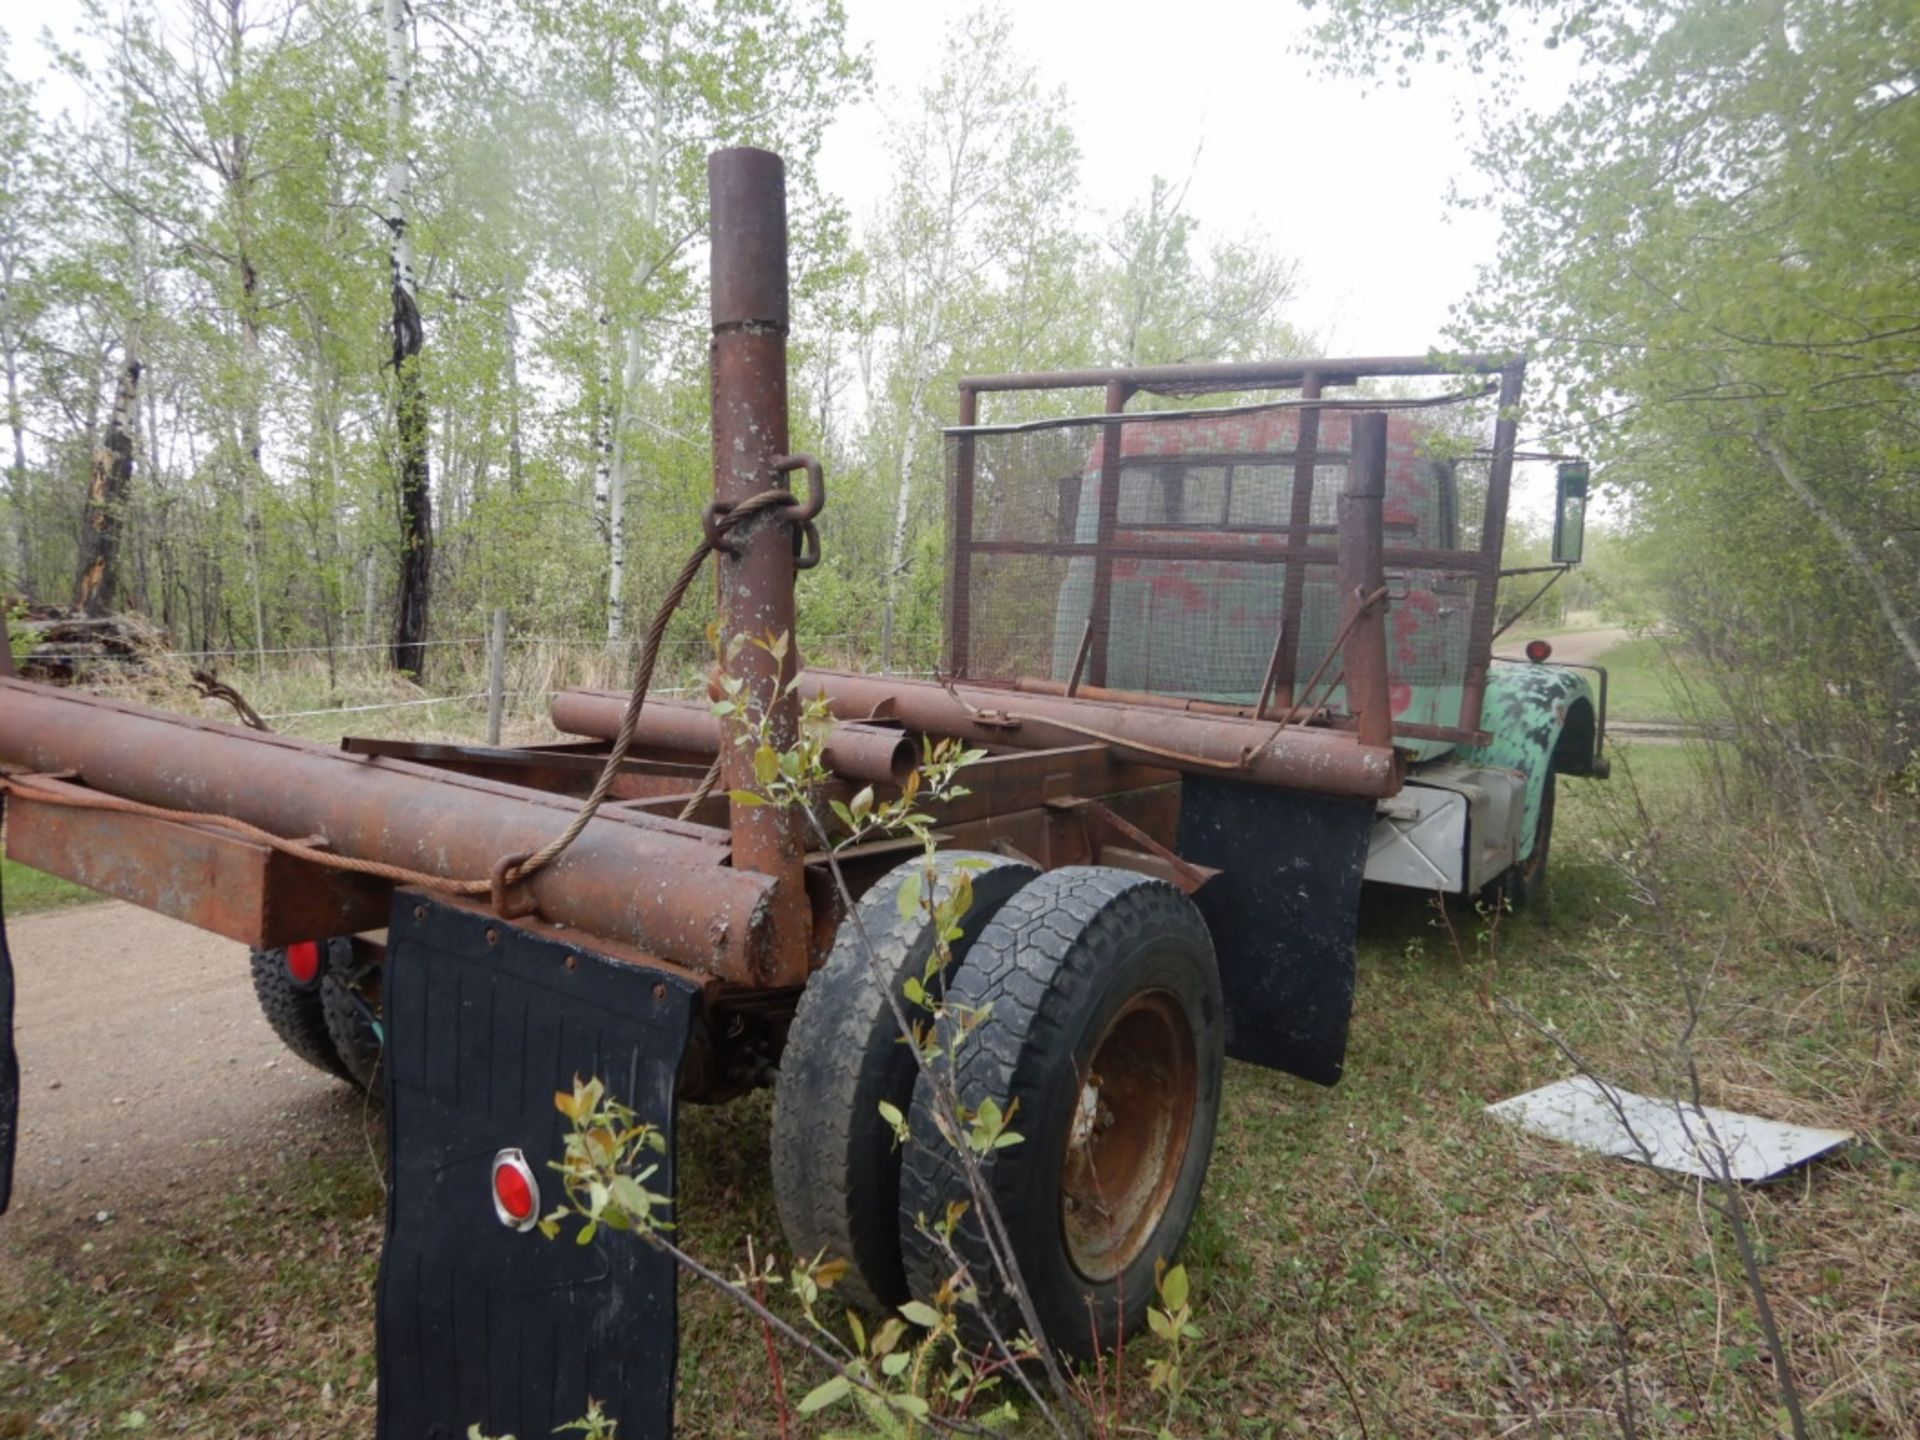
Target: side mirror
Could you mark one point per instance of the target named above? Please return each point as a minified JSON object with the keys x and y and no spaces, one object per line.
{"x":1570,"y":513}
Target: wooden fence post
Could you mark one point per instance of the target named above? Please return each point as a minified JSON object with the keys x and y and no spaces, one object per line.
{"x":496,"y":675}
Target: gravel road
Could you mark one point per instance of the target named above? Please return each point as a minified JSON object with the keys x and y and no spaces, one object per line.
{"x":147,"y":1070}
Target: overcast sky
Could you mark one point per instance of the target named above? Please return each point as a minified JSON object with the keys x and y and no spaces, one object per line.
{"x":1350,"y":181}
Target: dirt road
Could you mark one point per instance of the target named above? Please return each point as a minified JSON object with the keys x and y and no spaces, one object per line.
{"x":1578,"y":647}
{"x":147,"y":1070}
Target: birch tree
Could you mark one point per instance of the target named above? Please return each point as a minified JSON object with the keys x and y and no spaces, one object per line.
{"x":981,"y":205}
{"x":637,"y":94}
{"x":24,"y":217}
{"x":1711,"y":244}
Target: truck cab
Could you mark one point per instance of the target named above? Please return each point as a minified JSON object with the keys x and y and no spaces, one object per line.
{"x":1210,"y":602}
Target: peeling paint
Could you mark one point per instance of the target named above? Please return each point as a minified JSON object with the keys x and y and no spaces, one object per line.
{"x":1526,"y":710}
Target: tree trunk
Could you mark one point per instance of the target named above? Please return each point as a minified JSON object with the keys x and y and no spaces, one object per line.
{"x":370,"y":601}
{"x":605,"y":418}
{"x":409,"y":403}
{"x":902,"y":514}
{"x":238,"y":176}
{"x":107,"y":490}
{"x":630,"y":375}
{"x":515,"y":473}
{"x":1862,"y":564}
{"x":252,"y":468}
{"x":617,"y":494}
{"x":17,"y":468}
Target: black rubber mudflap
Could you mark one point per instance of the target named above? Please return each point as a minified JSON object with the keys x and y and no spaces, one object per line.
{"x":1283,"y":912}
{"x":9,"y":1057}
{"x":479,"y":1323}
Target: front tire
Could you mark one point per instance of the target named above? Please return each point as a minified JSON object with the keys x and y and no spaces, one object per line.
{"x":1523,"y":886}
{"x":1105,"y":1041}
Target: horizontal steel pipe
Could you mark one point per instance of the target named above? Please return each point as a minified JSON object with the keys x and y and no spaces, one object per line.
{"x":1408,"y":730}
{"x":1328,"y":762}
{"x":635,"y":883}
{"x":870,"y":753}
{"x":1234,"y":375}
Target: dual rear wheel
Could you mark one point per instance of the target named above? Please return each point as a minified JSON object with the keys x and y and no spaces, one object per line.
{"x":1102,"y":1042}
{"x":316,"y":998}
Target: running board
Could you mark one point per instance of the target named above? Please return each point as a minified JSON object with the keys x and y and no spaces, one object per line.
{"x":481,"y":1324}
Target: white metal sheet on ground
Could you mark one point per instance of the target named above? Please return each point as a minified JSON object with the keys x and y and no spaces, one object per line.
{"x":1669,"y":1134}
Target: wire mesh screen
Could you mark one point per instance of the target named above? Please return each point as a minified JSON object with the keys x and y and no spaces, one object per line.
{"x":1212,"y":570}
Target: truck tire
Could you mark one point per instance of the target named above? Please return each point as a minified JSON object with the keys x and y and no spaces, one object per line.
{"x":293,"y":1008}
{"x":1524,"y":886}
{"x":836,"y":1162}
{"x":353,"y":1022}
{"x":1105,"y":1044}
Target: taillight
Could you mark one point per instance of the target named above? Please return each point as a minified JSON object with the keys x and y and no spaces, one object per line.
{"x":1538,"y":651}
{"x":516,"y":1193}
{"x":303,"y":962}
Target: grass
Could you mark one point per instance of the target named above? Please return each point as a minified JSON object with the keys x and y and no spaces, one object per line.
{"x":1376,"y":1259}
{"x":1649,"y":681}
{"x":27,"y":890}
{"x":248,"y":1314}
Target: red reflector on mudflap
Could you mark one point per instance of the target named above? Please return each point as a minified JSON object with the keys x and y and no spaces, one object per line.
{"x":303,"y":961}
{"x":516,"y":1194}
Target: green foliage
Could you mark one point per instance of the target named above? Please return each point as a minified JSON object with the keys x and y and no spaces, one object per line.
{"x":218,"y":211}
{"x":29,"y":890}
{"x":1711,"y":245}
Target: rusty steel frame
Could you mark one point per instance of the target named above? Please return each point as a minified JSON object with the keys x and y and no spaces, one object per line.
{"x":1363,"y":581}
{"x":1029,"y":685}
{"x":207,"y":877}
{"x":1311,"y":377}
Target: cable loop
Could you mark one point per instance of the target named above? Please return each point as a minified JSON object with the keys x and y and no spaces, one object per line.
{"x":721,"y":516}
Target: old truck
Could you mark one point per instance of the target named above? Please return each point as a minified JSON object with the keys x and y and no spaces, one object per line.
{"x":1223,"y":664}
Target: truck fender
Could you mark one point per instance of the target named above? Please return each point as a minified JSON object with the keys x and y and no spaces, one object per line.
{"x":1540,"y":720}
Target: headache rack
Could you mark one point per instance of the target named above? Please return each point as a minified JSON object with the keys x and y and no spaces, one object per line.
{"x":1193,"y":555}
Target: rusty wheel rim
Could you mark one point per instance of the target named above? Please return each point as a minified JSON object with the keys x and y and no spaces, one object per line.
{"x":1128,"y":1139}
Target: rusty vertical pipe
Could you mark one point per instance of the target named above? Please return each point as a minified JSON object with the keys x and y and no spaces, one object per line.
{"x":1493,"y":528}
{"x":960,"y":539}
{"x":747,"y":190}
{"x":1362,"y":569}
{"x":1306,"y":456}
{"x":1100,"y":613}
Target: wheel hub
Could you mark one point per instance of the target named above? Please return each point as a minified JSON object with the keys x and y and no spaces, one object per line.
{"x":1128,"y":1137}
